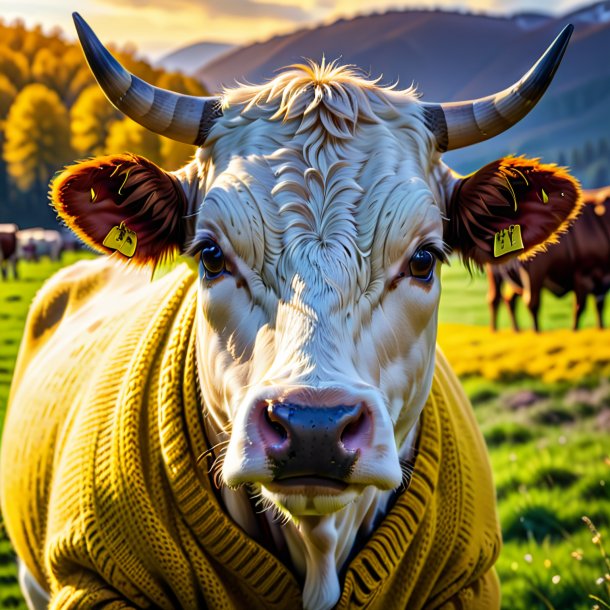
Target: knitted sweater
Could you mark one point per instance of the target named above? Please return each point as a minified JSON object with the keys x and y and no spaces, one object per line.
{"x":106,"y":504}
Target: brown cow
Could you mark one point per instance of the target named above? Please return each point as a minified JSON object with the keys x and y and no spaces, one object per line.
{"x":8,"y":249}
{"x":579,"y":262}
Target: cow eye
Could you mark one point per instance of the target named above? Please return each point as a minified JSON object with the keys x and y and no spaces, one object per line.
{"x":422,"y":264}
{"x":211,"y":260}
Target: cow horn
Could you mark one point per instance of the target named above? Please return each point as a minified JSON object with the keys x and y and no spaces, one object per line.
{"x":185,"y":118}
{"x":458,"y":124}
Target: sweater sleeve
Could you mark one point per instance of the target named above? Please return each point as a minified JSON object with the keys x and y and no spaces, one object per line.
{"x":482,"y":594}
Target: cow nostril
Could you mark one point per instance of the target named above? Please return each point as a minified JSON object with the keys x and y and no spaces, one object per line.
{"x":354,"y":434}
{"x":274,"y":428}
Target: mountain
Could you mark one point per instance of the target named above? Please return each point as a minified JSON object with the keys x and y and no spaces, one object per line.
{"x":452,"y":56}
{"x":189,"y":59}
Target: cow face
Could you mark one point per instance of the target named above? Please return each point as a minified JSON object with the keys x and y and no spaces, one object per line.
{"x":318,"y":213}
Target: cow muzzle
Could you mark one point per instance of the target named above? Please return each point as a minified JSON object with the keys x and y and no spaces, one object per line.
{"x":312,"y":450}
{"x":310,"y":444}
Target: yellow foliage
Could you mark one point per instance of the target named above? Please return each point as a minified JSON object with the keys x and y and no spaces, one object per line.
{"x":7,"y":95}
{"x":81,"y":79}
{"x":91,"y":117}
{"x":128,"y":136}
{"x":50,"y":70}
{"x":553,"y":356}
{"x":37,"y":137}
{"x":14,"y":66}
{"x":175,"y":81}
{"x":175,"y":154}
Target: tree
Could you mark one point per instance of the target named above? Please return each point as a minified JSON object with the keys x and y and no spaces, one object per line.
{"x":7,"y":95}
{"x":78,"y":83}
{"x":576,"y":157}
{"x":90,"y":119}
{"x":74,"y":62}
{"x":50,"y":70}
{"x":601,"y":175}
{"x":37,"y":138}
{"x":14,"y":66}
{"x":174,"y":81}
{"x":128,"y":136}
{"x":175,"y":154}
{"x":589,"y":153}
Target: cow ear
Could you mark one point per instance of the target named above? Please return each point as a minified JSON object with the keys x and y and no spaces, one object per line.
{"x":513,"y":207}
{"x":124,"y":204}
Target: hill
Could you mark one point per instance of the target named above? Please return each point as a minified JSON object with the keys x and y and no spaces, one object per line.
{"x":188,"y":59}
{"x":451,"y":56}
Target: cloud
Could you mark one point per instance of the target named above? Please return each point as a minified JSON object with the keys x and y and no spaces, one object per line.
{"x":250,"y":9}
{"x":247,"y":8}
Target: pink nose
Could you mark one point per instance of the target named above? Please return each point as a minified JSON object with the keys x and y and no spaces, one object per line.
{"x":314,"y":441}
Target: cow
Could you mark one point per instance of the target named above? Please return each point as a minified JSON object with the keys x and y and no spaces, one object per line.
{"x":8,"y":249}
{"x":268,"y":424}
{"x":32,"y":244}
{"x":578,"y":262}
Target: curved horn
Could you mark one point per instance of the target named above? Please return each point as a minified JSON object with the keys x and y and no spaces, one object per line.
{"x":459,"y":124}
{"x":185,"y":118}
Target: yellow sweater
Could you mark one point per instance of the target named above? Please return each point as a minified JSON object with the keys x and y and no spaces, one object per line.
{"x":106,"y":504}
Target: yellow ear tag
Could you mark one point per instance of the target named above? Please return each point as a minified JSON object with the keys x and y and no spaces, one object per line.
{"x":545,"y":197}
{"x":508,"y":240}
{"x":93,"y":195}
{"x":122,"y":239}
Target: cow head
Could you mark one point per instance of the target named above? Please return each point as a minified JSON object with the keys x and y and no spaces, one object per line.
{"x":319,"y":212}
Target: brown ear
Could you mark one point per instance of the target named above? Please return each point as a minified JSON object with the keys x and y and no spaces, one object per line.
{"x":511,"y":207}
{"x":123,"y":203}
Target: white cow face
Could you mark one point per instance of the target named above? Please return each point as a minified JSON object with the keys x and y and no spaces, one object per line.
{"x":323,"y":213}
{"x":319,"y":289}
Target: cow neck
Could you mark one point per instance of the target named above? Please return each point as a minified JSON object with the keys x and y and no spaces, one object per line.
{"x":183,"y":441}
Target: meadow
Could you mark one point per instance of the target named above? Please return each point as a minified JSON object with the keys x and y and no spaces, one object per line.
{"x":543,"y":402}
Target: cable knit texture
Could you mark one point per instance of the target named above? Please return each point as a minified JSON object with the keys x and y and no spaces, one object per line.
{"x":106,"y":504}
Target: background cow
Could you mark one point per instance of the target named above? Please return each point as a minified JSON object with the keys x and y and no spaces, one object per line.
{"x":299,"y":362}
{"x":32,"y":244}
{"x":578,"y":262}
{"x":8,"y":249}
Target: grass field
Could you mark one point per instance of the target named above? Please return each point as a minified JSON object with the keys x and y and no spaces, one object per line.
{"x":548,"y":440}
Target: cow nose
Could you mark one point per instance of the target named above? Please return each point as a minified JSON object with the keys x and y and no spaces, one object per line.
{"x":303,"y":441}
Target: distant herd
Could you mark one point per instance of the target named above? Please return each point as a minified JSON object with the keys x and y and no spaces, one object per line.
{"x":31,"y":245}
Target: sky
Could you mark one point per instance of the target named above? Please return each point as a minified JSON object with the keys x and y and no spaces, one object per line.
{"x":157,"y":27}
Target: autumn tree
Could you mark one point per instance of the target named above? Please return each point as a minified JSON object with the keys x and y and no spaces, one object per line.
{"x":78,"y":74}
{"x":8,"y":93}
{"x":37,"y":141}
{"x":14,"y":66}
{"x":175,"y":154}
{"x":128,"y":136}
{"x":79,"y":82}
{"x":51,"y":111}
{"x":50,"y":70}
{"x":90,"y":120}
{"x":174,"y":81}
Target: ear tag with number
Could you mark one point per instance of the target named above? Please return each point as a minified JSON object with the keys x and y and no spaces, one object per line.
{"x":122,"y":239}
{"x":508,"y":240}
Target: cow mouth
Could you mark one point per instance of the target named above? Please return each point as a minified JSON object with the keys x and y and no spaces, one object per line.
{"x":307,"y":486}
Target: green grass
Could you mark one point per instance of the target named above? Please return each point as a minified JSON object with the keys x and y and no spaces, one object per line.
{"x":463,"y":302}
{"x":550,"y":458}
